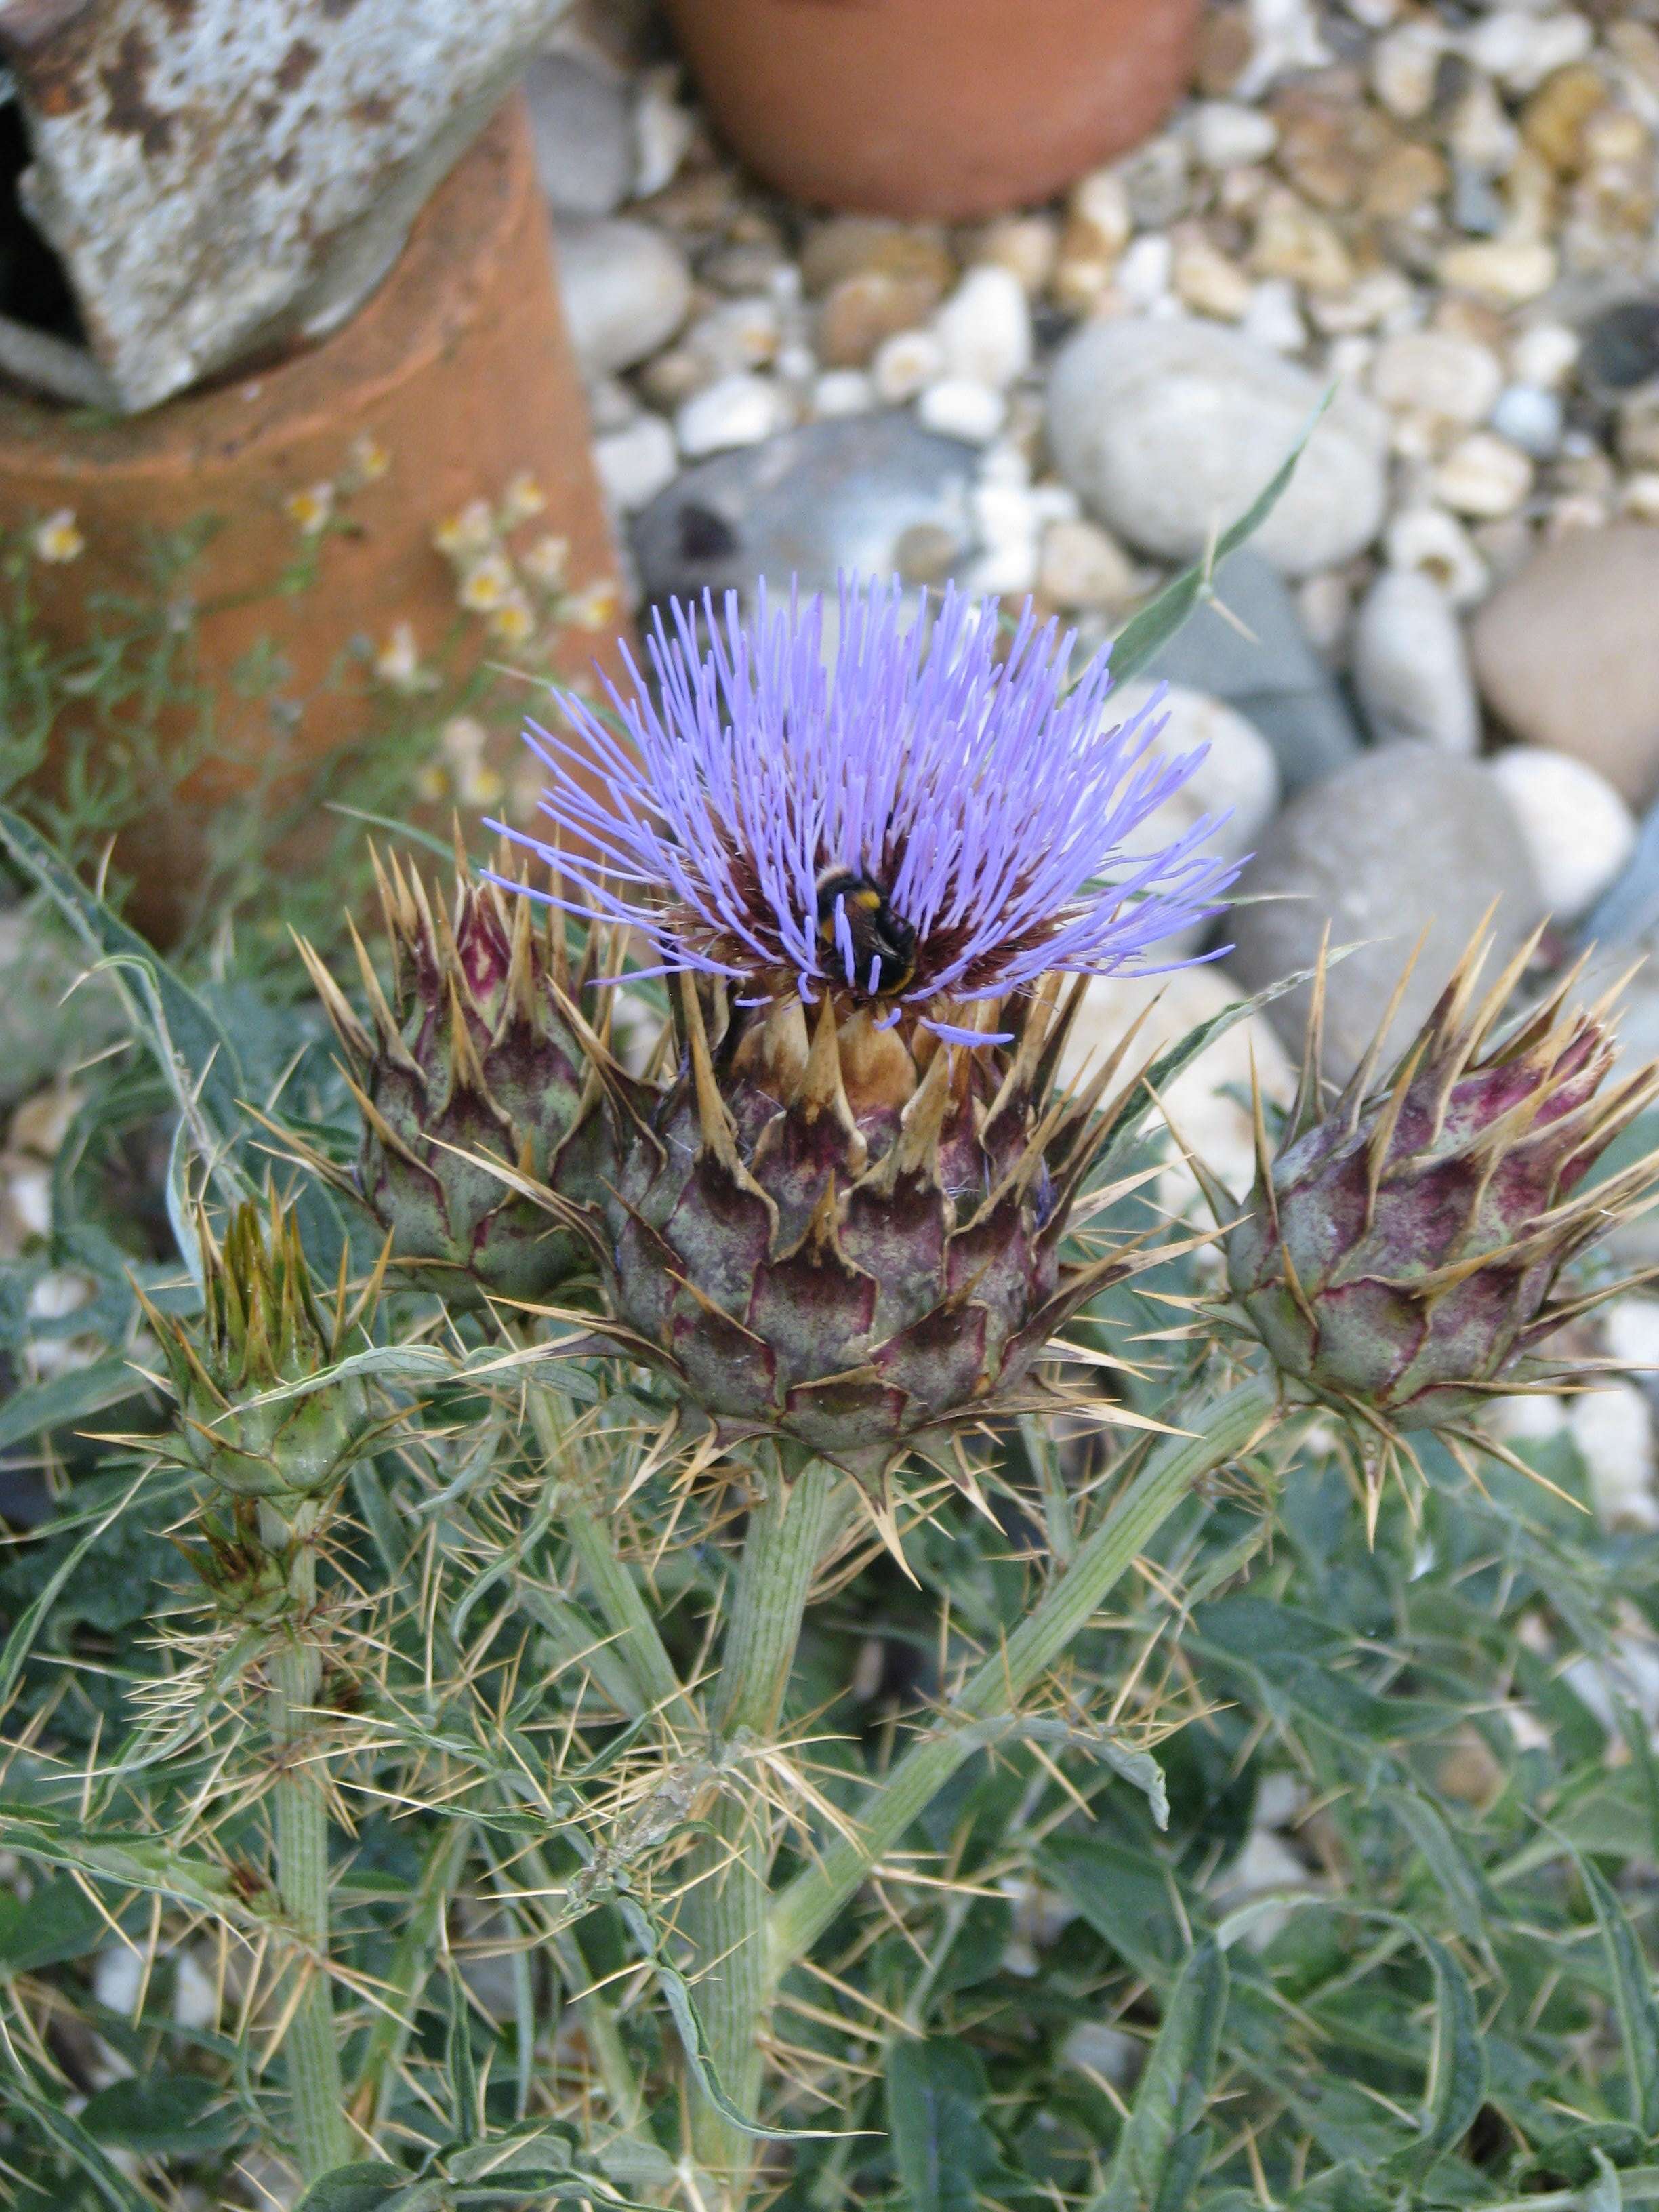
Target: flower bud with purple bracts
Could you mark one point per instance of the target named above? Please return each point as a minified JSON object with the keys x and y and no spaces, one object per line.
{"x":841,"y":1223}
{"x":263,"y":1330}
{"x":1400,"y":1255}
{"x":472,"y":1055}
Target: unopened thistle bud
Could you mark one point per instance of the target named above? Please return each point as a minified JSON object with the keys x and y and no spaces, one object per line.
{"x":262,"y":1331}
{"x":841,"y":1222}
{"x":474,"y":1055}
{"x":1400,"y":1255}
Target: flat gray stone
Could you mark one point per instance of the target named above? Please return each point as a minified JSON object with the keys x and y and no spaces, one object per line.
{"x":836,"y":495}
{"x":1273,"y":678}
{"x":1405,"y":837}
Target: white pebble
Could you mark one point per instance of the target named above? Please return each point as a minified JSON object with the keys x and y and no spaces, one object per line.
{"x":1507,"y":271}
{"x":1404,"y":65}
{"x":610,"y":405}
{"x":1286,"y":39}
{"x":843,"y":392}
{"x":1434,"y":372}
{"x":1100,"y":203}
{"x":1480,"y":137}
{"x":117,"y":1977}
{"x":1093,"y":2047}
{"x":1411,"y":670}
{"x":1380,"y":298}
{"x":1630,"y":1328}
{"x":1209,"y":282}
{"x":1544,"y":355}
{"x":734,"y":410}
{"x":1429,"y":538}
{"x":1224,"y":135}
{"x":636,"y":463}
{"x":1083,"y":566}
{"x":1527,"y":1418}
{"x":736,"y":335}
{"x":1520,"y":50}
{"x":1484,"y":476}
{"x":905,"y":364}
{"x":1578,"y":830}
{"x":1146,"y":270}
{"x":1274,"y":317}
{"x":1614,"y":1432}
{"x":663,"y":132}
{"x":985,"y":328}
{"x":958,"y":407}
{"x":1237,"y":774}
{"x":1324,"y":606}
{"x":195,"y":2001}
{"x":1531,"y":417}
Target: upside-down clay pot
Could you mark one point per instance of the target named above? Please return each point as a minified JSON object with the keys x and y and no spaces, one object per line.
{"x":947,"y":109}
{"x":455,"y":378}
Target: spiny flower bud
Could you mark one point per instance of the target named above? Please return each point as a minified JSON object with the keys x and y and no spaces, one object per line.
{"x":1400,"y":1257}
{"x":261,"y":1330}
{"x":475,"y":1052}
{"x":841,"y":1223}
{"x":849,"y":1238}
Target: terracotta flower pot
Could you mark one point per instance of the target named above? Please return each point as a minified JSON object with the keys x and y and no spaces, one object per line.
{"x":935,"y":107}
{"x":451,"y":398}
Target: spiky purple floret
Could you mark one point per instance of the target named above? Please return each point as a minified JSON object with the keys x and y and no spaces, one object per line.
{"x":939,"y":758}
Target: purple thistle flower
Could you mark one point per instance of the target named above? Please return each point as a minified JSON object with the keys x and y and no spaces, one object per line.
{"x":936,"y":820}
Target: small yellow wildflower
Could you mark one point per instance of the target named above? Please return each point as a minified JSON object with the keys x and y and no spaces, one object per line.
{"x":475,"y":783}
{"x":369,"y":459}
{"x":470,"y":531}
{"x":512,"y":622}
{"x":487,"y":584}
{"x":57,"y":538}
{"x":463,"y":739}
{"x":398,"y":661}
{"x":596,"y":606}
{"x":523,"y":497}
{"x":479,"y":785}
{"x":432,"y":784}
{"x":309,"y":510}
{"x":547,"y":561}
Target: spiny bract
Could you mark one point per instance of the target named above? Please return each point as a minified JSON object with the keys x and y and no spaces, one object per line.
{"x":850,"y":1239}
{"x":262,"y":1330}
{"x":476,"y":1054}
{"x":1400,"y":1256}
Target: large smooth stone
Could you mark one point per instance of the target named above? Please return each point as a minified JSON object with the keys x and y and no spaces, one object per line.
{"x":836,"y":495}
{"x":1567,"y":652}
{"x":1170,"y":429}
{"x":582,"y":121}
{"x":1272,"y":675}
{"x":1405,"y":836}
{"x":625,"y":291}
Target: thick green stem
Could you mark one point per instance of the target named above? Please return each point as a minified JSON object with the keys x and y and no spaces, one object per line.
{"x":299,"y":1811}
{"x":638,"y":1643}
{"x":802,"y":1911}
{"x":726,"y":1911}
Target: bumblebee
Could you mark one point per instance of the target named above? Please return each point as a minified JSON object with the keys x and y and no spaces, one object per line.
{"x":879,"y":934}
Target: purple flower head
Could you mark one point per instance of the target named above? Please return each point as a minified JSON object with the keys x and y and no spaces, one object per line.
{"x":935,"y":819}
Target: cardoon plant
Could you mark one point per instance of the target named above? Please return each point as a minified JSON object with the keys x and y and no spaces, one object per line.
{"x":838,"y":1229}
{"x":510,"y":1541}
